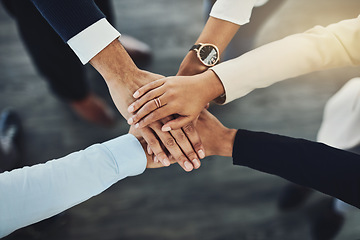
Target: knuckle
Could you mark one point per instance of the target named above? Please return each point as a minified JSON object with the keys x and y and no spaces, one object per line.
{"x":189,"y":128}
{"x":161,"y":154}
{"x":152,"y":142}
{"x":135,"y":118}
{"x":197,"y":145}
{"x":191,"y":155}
{"x":181,"y":137}
{"x":171,"y":92}
{"x":181,"y":158}
{"x":170,"y":142}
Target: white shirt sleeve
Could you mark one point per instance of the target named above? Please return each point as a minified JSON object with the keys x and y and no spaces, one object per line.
{"x":319,"y":48}
{"x":235,"y":11}
{"x":93,"y":39}
{"x":31,"y":194}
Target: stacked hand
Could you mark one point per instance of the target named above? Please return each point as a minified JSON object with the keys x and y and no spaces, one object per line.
{"x":175,"y":101}
{"x":212,"y":133}
{"x":123,"y":79}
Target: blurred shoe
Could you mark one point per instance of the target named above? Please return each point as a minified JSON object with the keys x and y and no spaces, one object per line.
{"x":293,"y":196}
{"x":139,"y":51}
{"x":10,"y":140}
{"x":94,"y":110}
{"x":328,"y":224}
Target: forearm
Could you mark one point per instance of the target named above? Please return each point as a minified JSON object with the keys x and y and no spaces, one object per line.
{"x":216,"y":31}
{"x":31,"y":194}
{"x":121,"y":75}
{"x":315,"y":165}
{"x":317,"y":49}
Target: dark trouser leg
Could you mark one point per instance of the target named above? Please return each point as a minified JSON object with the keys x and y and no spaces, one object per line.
{"x":52,"y":57}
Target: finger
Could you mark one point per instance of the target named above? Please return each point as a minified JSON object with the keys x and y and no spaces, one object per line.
{"x":154,"y":144}
{"x":207,"y":106}
{"x":144,"y":89}
{"x":145,"y":99}
{"x":145,"y":110}
{"x":171,"y":145}
{"x":154,"y":116}
{"x":186,"y":147}
{"x":177,"y":123}
{"x":194,"y":139}
{"x":149,"y":149}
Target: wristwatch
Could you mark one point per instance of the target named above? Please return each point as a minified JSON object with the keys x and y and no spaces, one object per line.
{"x":207,"y":53}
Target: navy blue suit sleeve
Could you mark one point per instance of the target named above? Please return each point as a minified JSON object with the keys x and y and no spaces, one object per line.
{"x":329,"y":170}
{"x":69,"y":17}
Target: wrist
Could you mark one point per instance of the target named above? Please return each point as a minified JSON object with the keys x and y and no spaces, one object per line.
{"x":212,"y":86}
{"x":191,"y":65}
{"x":227,"y":139}
{"x":114,"y":63}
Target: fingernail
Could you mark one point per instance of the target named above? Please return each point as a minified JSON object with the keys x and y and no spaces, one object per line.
{"x":196,"y":163}
{"x":149,"y":150}
{"x":130,"y":121}
{"x":136,"y":94}
{"x":156,"y":160}
{"x":137,"y":125}
{"x":166,"y":162}
{"x":166,"y":129}
{"x":131,"y":108}
{"x":201,"y":154}
{"x":188,"y":166}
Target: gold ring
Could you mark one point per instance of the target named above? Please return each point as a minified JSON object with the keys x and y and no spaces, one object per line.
{"x":157,"y":102}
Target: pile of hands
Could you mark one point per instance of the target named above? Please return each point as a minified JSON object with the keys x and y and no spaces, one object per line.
{"x":168,"y":114}
{"x":171,"y":115}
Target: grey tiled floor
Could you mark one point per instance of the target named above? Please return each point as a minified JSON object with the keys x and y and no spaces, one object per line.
{"x":218,"y":201}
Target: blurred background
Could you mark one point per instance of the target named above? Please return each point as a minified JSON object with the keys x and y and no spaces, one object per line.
{"x":218,"y":201}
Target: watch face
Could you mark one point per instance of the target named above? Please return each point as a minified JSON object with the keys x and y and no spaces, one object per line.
{"x":209,"y":55}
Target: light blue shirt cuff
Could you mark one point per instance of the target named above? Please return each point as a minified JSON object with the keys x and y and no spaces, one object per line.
{"x":128,"y":153}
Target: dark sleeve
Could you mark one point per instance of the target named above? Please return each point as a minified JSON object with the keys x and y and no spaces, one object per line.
{"x":326,"y":169}
{"x":69,"y":17}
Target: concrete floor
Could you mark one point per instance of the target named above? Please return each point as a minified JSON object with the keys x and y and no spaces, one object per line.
{"x":218,"y":201}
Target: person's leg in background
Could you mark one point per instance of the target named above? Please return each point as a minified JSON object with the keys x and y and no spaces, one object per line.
{"x":59,"y":66}
{"x":340,"y":128}
{"x":11,"y":140}
{"x":56,"y":62}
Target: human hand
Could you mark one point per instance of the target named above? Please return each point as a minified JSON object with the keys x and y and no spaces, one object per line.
{"x":123,"y":78}
{"x":216,"y":138}
{"x":184,"y":146}
{"x":150,"y":157}
{"x":184,"y":96}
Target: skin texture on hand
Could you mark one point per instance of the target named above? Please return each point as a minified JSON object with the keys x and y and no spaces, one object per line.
{"x":188,"y":98}
{"x":149,"y":157}
{"x":121,"y":75}
{"x":123,"y":78}
{"x":184,"y":96}
{"x":217,"y":139}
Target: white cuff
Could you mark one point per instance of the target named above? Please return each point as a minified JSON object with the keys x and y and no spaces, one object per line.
{"x":238,"y":12}
{"x":93,"y":39}
{"x":128,"y":154}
